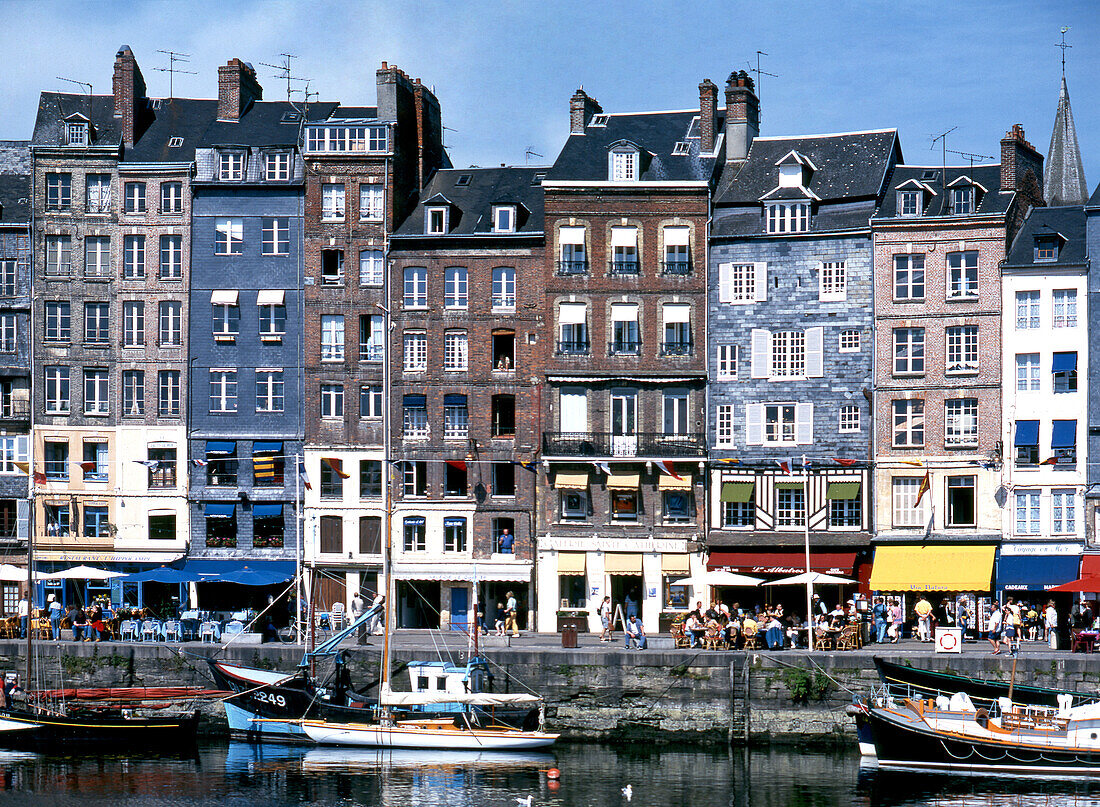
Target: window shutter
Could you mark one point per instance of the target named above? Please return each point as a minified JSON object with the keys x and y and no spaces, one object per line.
{"x":804,"y":423}
{"x":725,"y":291}
{"x":760,"y":275}
{"x":754,"y":424}
{"x":815,"y":352}
{"x":761,"y":343}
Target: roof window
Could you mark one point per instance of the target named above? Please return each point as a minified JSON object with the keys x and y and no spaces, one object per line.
{"x":683,"y":147}
{"x":175,"y":142}
{"x":462,"y":181}
{"x":599,"y":120}
{"x":292,"y":116}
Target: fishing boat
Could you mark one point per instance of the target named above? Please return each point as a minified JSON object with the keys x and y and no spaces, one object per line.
{"x":951,"y":734}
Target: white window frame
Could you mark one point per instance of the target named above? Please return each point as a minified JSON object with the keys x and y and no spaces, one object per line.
{"x":332,"y":401}
{"x":223,"y":390}
{"x":1028,"y":512}
{"x":905,"y":350}
{"x":170,"y":323}
{"x":228,"y":236}
{"x":962,"y":355}
{"x":415,"y":290}
{"x":456,"y":356}
{"x":133,"y":257}
{"x":415,"y":354}
{"x":962,"y":279}
{"x":97,"y":193}
{"x":57,"y":381}
{"x":727,"y":362}
{"x":456,"y":421}
{"x":504,"y":218}
{"x":231,"y":166}
{"x":504,"y":288}
{"x":1028,"y":373}
{"x":372,"y":202}
{"x":456,"y":288}
{"x":622,"y":165}
{"x":960,"y":422}
{"x":790,"y":507}
{"x":277,"y":166}
{"x":832,"y":281}
{"x":1028,"y":310}
{"x":333,"y":201}
{"x":437,"y":220}
{"x":97,"y":391}
{"x":909,"y":204}
{"x":170,"y":261}
{"x":76,"y":134}
{"x":1064,"y":308}
{"x":962,"y":198}
{"x":372,"y":267}
{"x":171,"y":198}
{"x":1063,"y":511}
{"x":787,"y":217}
{"x":332,"y":338}
{"x":742,"y":283}
{"x":906,"y":263}
{"x":723,"y":421}
{"x":849,"y":419}
{"x":849,"y":341}
{"x":904,"y":491}
{"x":134,"y":202}
{"x":133,"y":323}
{"x":8,"y":332}
{"x":270,"y":391}
{"x":372,"y":393}
{"x":907,"y":422}
{"x":276,"y":236}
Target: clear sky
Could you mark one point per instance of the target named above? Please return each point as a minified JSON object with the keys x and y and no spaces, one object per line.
{"x":504,"y":71}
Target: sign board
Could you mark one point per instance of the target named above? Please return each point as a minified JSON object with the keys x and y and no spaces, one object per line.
{"x":949,"y":640}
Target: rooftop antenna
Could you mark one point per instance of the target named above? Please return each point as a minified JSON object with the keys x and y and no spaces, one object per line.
{"x":760,"y":72}
{"x":1063,"y":46}
{"x":527,"y":155}
{"x":943,"y":173}
{"x":173,"y":57}
{"x":972,"y":157}
{"x":284,"y":70}
{"x":74,"y":81}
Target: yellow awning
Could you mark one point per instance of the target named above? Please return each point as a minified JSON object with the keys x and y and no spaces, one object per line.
{"x":623,"y":481}
{"x":622,"y":562}
{"x":571,"y":481}
{"x":571,"y":562}
{"x":675,"y":564}
{"x":667,"y":482}
{"x":932,"y":568}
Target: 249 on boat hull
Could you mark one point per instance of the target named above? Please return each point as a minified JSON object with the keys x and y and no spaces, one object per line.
{"x":27,"y":730}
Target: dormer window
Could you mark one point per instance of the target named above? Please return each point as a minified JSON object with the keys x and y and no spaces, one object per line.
{"x":277,"y":165}
{"x":1046,"y":248}
{"x":599,"y":120}
{"x":77,"y":133}
{"x":504,"y":218}
{"x":962,"y":201}
{"x":436,"y":220}
{"x":231,"y":166}
{"x":623,"y":165}
{"x":788,"y":217}
{"x":910,"y":203}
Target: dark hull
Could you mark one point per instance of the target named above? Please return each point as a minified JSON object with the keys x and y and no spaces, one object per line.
{"x":902,"y":746}
{"x":52,"y":731}
{"x":982,"y":691}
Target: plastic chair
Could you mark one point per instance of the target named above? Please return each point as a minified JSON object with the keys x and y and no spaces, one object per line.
{"x":206,"y":631}
{"x":336,"y":613}
{"x":129,"y":631}
{"x":148,"y":631}
{"x":234,"y":627}
{"x":171,"y":631}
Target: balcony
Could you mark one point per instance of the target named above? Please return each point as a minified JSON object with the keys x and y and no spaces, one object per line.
{"x":676,"y":348}
{"x":15,"y":412}
{"x":624,"y":348}
{"x":573,"y":348}
{"x":675,"y":268}
{"x":605,"y":444}
{"x":572,"y":267}
{"x":624,"y":267}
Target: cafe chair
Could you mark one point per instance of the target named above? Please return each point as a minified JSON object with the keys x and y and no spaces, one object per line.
{"x":752,"y":639}
{"x":172,"y":632}
{"x":128,"y":630}
{"x":148,"y":631}
{"x":207,"y":632}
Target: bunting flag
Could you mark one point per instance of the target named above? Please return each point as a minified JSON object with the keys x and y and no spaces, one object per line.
{"x":784,"y":466}
{"x":529,"y":465}
{"x":25,"y":467}
{"x":39,"y":478}
{"x":806,"y":464}
{"x":845,"y":463}
{"x":336,"y":465}
{"x":730,"y":461}
{"x":1049,"y":461}
{"x":458,"y":465}
{"x":667,"y":471}
{"x":603,"y":466}
{"x":200,"y":463}
{"x":88,"y":466}
{"x":302,"y":475}
{"x":925,"y":486}
{"x":152,"y":465}
{"x":915,"y":463}
{"x":263,"y":466}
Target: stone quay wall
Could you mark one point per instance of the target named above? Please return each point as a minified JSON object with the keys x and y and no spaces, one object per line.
{"x":596,"y":695}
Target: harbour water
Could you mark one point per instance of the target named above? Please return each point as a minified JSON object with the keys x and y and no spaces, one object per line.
{"x":242,"y":775}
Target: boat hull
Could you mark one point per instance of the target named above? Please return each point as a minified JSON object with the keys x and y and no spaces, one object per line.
{"x":380,"y":736}
{"x":981,"y":691}
{"x":27,"y":730}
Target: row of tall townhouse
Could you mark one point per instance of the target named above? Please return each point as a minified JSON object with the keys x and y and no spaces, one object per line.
{"x":682,"y":347}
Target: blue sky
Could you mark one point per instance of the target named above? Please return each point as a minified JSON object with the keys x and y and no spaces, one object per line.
{"x":504,"y":71}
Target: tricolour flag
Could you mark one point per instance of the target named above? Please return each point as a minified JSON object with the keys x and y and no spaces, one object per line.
{"x":925,"y":486}
{"x":152,"y":465}
{"x":302,"y":475}
{"x":336,"y":465}
{"x":666,"y":470}
{"x":784,"y":466}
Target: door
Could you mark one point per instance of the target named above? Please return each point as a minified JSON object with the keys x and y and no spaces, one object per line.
{"x":460,"y":608}
{"x":624,"y":419}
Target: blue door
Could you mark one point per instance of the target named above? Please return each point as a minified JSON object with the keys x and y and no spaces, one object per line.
{"x":460,"y":602}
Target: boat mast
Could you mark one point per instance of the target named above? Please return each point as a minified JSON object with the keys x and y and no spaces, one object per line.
{"x":388,"y":604}
{"x":30,"y":587}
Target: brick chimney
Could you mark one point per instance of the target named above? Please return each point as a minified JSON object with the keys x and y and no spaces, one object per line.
{"x":581,"y":110}
{"x":708,"y":112}
{"x":237,"y":89}
{"x":1017,"y":158}
{"x":128,"y":88}
{"x":742,"y":116}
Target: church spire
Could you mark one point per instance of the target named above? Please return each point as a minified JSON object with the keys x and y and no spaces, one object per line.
{"x":1064,"y":173}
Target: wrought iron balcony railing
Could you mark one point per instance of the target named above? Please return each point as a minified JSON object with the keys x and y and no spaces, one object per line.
{"x":605,"y":444}
{"x":572,"y":267}
{"x":574,"y":348}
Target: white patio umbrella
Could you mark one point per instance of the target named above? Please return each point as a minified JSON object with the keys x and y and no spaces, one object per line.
{"x":813,"y":578}
{"x":12,"y":574}
{"x":82,"y":573}
{"x":718,"y":579}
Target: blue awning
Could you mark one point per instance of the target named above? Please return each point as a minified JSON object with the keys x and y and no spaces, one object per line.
{"x":416,"y":401}
{"x":454,"y":400}
{"x":1035,"y":572}
{"x":245,"y":572}
{"x":1027,"y":432}
{"x":220,"y":510}
{"x":163,"y":574}
{"x":1064,"y":434}
{"x":267,"y":447}
{"x":1064,"y":362}
{"x":267,"y":511}
{"x":221,"y":447}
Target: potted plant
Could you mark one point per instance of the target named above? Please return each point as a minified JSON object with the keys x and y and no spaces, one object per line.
{"x":573,"y":617}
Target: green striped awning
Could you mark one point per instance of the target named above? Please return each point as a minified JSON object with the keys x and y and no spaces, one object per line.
{"x":842,"y":490}
{"x":737,"y":491}
{"x":788,"y":485}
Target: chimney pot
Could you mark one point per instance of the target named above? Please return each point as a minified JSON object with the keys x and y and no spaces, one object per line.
{"x":708,"y":112}
{"x":237,"y":89}
{"x":128,"y":89}
{"x":742,"y":116}
{"x":581,"y":109}
{"x":1017,"y":158}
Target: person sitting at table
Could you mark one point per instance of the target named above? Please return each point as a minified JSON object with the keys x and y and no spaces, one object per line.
{"x":749,"y":625}
{"x":79,"y":620}
{"x":793,"y":626}
{"x":693,"y":630}
{"x":98,"y":625}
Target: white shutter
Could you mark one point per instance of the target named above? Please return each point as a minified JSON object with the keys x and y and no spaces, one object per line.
{"x":676,"y":236}
{"x":761,"y":345}
{"x":624,"y":236}
{"x":760,"y":276}
{"x":815,"y":352}
{"x":804,"y":423}
{"x":573,"y":410}
{"x":572,"y":313}
{"x":754,"y":424}
{"x":571,"y":235}
{"x":725,"y":287}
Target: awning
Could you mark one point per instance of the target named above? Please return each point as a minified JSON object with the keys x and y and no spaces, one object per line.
{"x":624,"y":236}
{"x":676,"y":312}
{"x":622,"y":563}
{"x":1035,"y":572}
{"x":571,"y":562}
{"x":270,"y":297}
{"x":667,"y":482}
{"x":223,"y":297}
{"x":840,"y":563}
{"x":623,"y":481}
{"x":1027,"y":432}
{"x":1090,"y":565}
{"x":932,"y":568}
{"x":267,"y":447}
{"x":220,"y":447}
{"x":571,"y":235}
{"x":676,"y":236}
{"x":1064,"y":362}
{"x":507,"y":572}
{"x":267,"y":511}
{"x":788,"y":485}
{"x":454,"y":399}
{"x":571,"y":481}
{"x":220,"y":510}
{"x":737,"y":491}
{"x":842,"y":490}
{"x":1064,"y":434}
{"x":675,"y":564}
{"x":572,"y":313}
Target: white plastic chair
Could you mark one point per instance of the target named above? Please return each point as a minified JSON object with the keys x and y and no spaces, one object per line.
{"x":148,"y":631}
{"x":171,"y":631}
{"x":128,"y":630}
{"x":236,"y":626}
{"x":206,"y":632}
{"x":336,"y":615}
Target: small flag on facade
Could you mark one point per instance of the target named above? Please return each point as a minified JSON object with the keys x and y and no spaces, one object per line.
{"x":806,"y":464}
{"x":152,"y":465}
{"x":914,"y":463}
{"x":667,"y":471}
{"x":844,"y":462}
{"x":302,"y":475}
{"x":25,"y":467}
{"x":603,"y":466}
{"x":263,"y":467}
{"x":784,"y":466}
{"x":730,"y":461}
{"x":529,"y":465}
{"x":200,"y":463}
{"x":925,"y":486}
{"x":39,"y":478}
{"x":336,"y":465}
{"x":458,"y":465}
{"x":1049,"y":461}
{"x":88,"y":466}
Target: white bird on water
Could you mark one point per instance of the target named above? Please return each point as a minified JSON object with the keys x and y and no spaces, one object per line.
{"x":527,"y":802}
{"x":628,"y":791}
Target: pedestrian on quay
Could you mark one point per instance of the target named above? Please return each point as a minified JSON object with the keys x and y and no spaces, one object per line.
{"x":511,"y":623}
{"x":53,"y":607}
{"x":379,"y":606}
{"x":962,"y":616}
{"x":924,"y":619}
{"x":605,"y":620}
{"x":1012,"y":624}
{"x":24,"y":614}
{"x":879,"y":612}
{"x":358,"y":608}
{"x":1050,"y":623}
{"x":897,"y":621}
{"x":993,"y":628}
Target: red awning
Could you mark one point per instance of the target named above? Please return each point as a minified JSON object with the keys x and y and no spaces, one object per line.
{"x":782,"y":562}
{"x":1089,"y":583}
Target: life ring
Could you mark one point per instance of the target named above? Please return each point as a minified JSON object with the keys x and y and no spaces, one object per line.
{"x":947,"y":641}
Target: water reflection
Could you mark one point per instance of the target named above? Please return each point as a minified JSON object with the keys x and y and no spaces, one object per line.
{"x":240,"y":775}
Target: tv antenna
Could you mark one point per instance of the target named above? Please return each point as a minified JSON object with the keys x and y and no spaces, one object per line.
{"x":943,"y":138}
{"x":1063,"y":46}
{"x":760,"y":72}
{"x":285,"y":71}
{"x":970,"y":156}
{"x":74,"y":81}
{"x":527,"y":155}
{"x":173,"y":57}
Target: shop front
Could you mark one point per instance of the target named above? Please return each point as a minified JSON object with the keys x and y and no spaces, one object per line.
{"x":774,"y":565}
{"x":443,"y":595}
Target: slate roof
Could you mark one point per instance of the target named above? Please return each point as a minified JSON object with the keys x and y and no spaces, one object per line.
{"x":1094,"y":200}
{"x":583,"y":158}
{"x":988,"y":176}
{"x":1067,"y":221}
{"x":472,"y":200}
{"x":849,"y":166}
{"x":345,"y":112}
{"x":1063,"y":172}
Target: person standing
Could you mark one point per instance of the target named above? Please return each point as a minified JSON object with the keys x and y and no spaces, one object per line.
{"x":963,"y":618}
{"x":53,"y":606}
{"x":993,"y":628}
{"x":924,"y":619}
{"x":507,"y":542}
{"x":631,"y":606}
{"x":510,"y":621}
{"x":379,"y":606}
{"x":1011,"y":625}
{"x":605,"y":619}
{"x":878,"y":611}
{"x":897,"y":620}
{"x":24,"y":613}
{"x":358,"y":608}
{"x":1050,"y":622}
